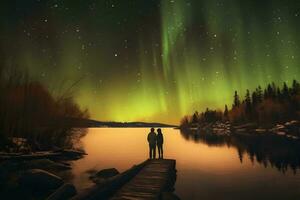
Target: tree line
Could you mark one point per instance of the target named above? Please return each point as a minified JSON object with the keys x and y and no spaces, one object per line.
{"x":267,"y":106}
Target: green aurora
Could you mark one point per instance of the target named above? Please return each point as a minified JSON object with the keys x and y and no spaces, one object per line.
{"x":153,"y":60}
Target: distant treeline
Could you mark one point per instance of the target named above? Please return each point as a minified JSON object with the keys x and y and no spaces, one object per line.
{"x":263,"y":106}
{"x":28,"y":110}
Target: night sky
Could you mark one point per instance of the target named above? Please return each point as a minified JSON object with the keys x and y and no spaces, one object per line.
{"x":152,"y":60}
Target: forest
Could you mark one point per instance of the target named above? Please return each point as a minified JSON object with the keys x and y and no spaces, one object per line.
{"x":263,"y":106}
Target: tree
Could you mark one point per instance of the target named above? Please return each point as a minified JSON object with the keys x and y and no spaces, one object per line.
{"x":270,"y":92}
{"x":259,"y":94}
{"x":226,"y":111}
{"x":254,"y":99}
{"x":285,"y":91}
{"x":295,"y":88}
{"x":184,"y":123}
{"x":248,"y":102}
{"x":273,"y":94}
{"x":195,"y":118}
{"x":265,"y":94}
{"x":279,"y":95}
{"x":236,"y":101}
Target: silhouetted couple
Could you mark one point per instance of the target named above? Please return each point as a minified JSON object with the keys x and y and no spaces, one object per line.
{"x":155,"y":140}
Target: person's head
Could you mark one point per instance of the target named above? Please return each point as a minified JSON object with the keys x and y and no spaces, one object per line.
{"x":159,"y":130}
{"x":152,"y":129}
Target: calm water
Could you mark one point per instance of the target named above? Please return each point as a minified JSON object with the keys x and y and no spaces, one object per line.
{"x":206,"y":169}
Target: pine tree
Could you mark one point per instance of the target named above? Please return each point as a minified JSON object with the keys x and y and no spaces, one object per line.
{"x":295,"y":88}
{"x":226,"y":111}
{"x":195,"y":118}
{"x":279,"y":95}
{"x":270,"y":92}
{"x":274,"y":93}
{"x":265,"y":94}
{"x":285,"y":91}
{"x":259,"y":93}
{"x":248,"y":102}
{"x":236,"y":101}
{"x":254,"y":98}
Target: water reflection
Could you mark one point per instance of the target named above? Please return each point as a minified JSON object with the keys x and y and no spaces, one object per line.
{"x":205,"y":163}
{"x":279,"y":152}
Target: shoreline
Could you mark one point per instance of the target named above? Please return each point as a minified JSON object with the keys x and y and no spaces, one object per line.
{"x":289,"y":129}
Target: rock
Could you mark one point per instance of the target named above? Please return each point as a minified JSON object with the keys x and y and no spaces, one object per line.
{"x":292,"y":123}
{"x":40,"y":179}
{"x":293,"y":128}
{"x":105,"y":173}
{"x":66,"y":191}
{"x":260,"y":130}
{"x":280,"y":133}
{"x":292,"y":137}
{"x":279,"y":127}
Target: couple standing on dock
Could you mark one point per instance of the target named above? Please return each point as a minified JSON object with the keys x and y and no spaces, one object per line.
{"x":155,"y":140}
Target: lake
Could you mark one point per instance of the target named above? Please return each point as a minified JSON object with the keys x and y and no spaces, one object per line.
{"x":207,"y":168}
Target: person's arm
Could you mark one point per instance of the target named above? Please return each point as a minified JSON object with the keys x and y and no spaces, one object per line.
{"x":148,"y":138}
{"x":162,"y":138}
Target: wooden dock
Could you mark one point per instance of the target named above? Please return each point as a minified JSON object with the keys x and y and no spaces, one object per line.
{"x":151,"y":179}
{"x":154,"y":178}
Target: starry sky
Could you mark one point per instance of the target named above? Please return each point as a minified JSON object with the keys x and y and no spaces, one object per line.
{"x":152,"y":60}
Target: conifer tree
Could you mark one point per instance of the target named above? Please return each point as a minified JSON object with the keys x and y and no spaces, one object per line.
{"x":195,"y":117}
{"x":226,"y":111}
{"x":254,"y":98}
{"x":285,"y":91}
{"x":295,"y":88}
{"x":248,"y":102}
{"x":259,"y":94}
{"x":236,"y":101}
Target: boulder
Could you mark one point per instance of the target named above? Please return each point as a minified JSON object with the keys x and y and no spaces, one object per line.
{"x":107,"y":173}
{"x":293,"y":127}
{"x":66,"y":191}
{"x":292,"y":123}
{"x":40,"y":179}
{"x":292,"y":137}
{"x":281,"y":133}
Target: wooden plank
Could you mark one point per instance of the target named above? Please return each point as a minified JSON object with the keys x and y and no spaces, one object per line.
{"x":150,"y":182}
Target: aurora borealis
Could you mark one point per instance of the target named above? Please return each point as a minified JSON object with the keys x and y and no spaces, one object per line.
{"x":152,"y":60}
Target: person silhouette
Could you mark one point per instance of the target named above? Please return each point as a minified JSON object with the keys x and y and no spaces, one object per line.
{"x":160,"y":141}
{"x":152,"y":144}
